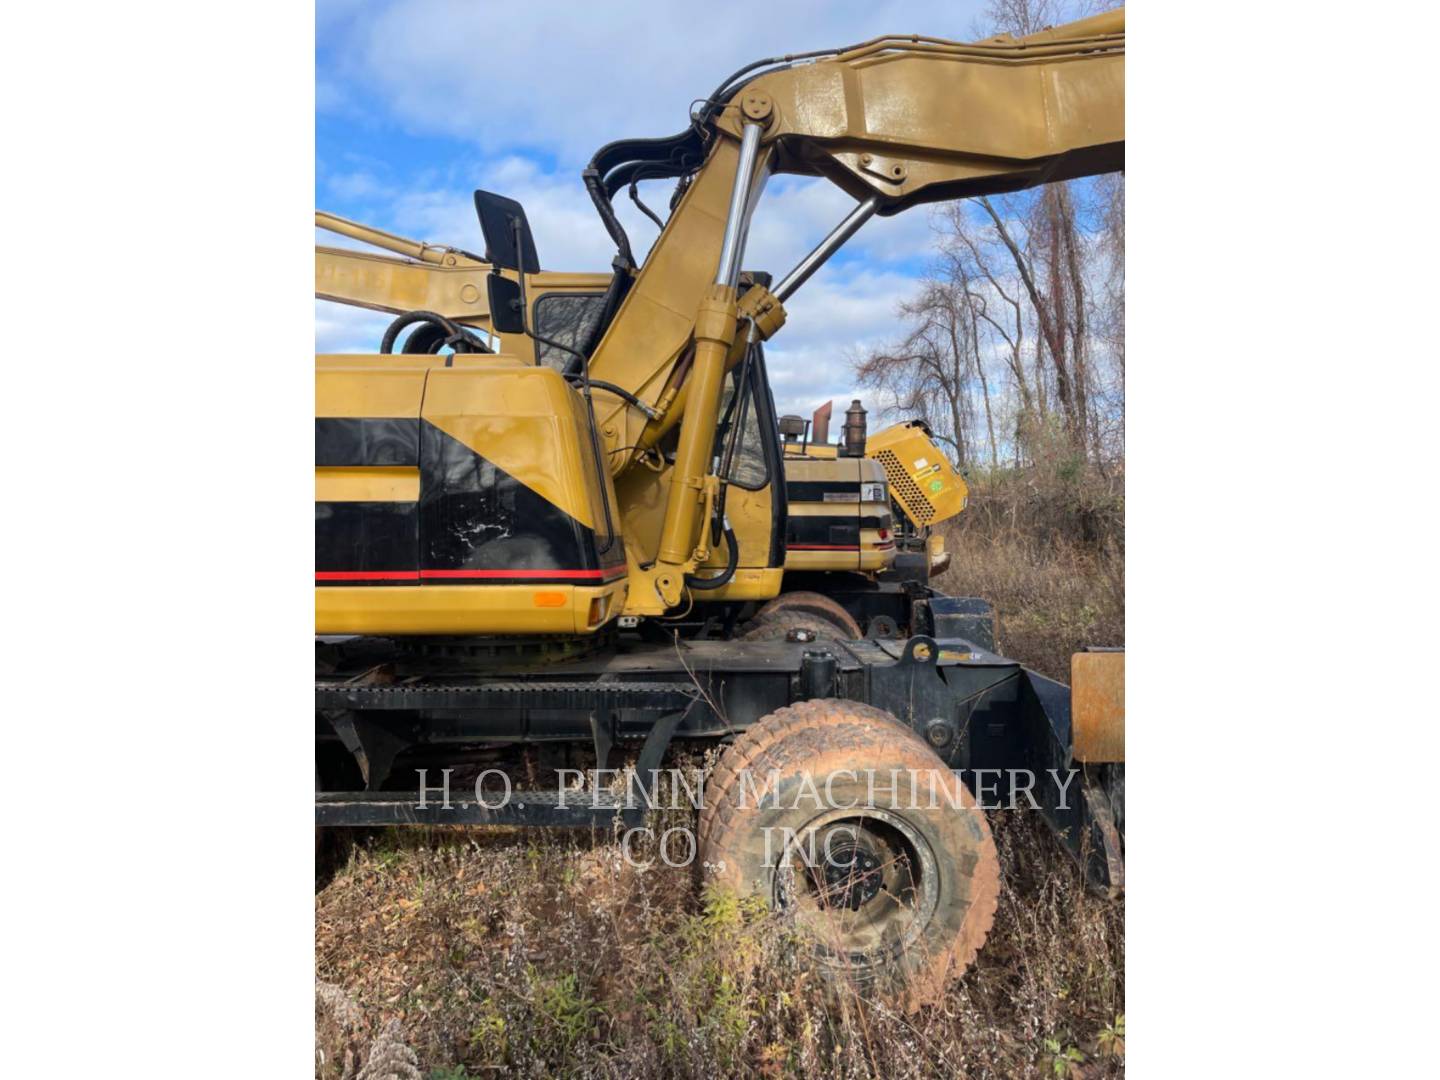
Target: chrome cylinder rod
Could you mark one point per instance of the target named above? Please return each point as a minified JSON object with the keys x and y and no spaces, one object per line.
{"x":732,"y":248}
{"x":827,"y":247}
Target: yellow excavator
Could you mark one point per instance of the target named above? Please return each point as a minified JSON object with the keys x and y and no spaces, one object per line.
{"x":541,"y":523}
{"x":850,"y":510}
{"x":898,"y":485}
{"x":860,"y":521}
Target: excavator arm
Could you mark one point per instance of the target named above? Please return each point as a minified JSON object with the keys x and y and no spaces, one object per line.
{"x":914,"y":120}
{"x":896,"y":122}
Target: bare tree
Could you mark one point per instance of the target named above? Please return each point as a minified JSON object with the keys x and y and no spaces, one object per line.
{"x":1111,"y":192}
{"x":927,"y":373}
{"x":965,"y":262}
{"x":1021,"y":17}
{"x":1035,"y":281}
{"x":972,"y":308}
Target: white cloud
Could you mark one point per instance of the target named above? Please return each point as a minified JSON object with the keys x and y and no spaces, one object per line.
{"x":350,"y":186}
{"x":340,"y":328}
{"x":568,"y":232}
{"x":839,"y":314}
{"x":330,"y":96}
{"x":568,"y":77}
{"x":795,"y":214}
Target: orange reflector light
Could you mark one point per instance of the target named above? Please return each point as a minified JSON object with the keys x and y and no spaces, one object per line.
{"x":549,"y":599}
{"x":597,"y":610}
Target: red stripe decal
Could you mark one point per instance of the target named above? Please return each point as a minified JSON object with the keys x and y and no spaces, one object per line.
{"x":837,"y":547}
{"x":463,"y":575}
{"x":367,"y":575}
{"x":457,"y":575}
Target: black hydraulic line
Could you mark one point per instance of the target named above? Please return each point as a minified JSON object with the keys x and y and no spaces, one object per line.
{"x":607,"y":215}
{"x":620,"y":391}
{"x":620,"y":164}
{"x":638,"y":171}
{"x":635,"y":198}
{"x":731,"y":562}
{"x":738,"y":411}
{"x":728,"y":88}
{"x":734,"y":434}
{"x":615,"y":294}
{"x":456,"y":336}
{"x":427,"y":339}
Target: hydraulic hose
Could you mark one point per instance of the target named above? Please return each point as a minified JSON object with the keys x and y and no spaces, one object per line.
{"x":454,"y":335}
{"x":620,"y":392}
{"x":732,"y":560}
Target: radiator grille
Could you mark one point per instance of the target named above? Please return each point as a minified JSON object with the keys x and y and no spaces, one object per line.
{"x":905,"y":490}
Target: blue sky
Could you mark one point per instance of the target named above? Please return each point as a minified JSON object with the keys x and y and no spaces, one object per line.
{"x":420,"y":102}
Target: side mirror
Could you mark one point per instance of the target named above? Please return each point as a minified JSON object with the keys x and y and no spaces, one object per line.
{"x":500,"y":220}
{"x":507,"y":310}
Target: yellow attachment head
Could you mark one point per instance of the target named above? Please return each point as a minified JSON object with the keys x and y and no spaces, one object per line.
{"x":920,"y":476}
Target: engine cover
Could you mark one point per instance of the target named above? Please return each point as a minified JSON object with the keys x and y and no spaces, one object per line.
{"x":459,"y":495}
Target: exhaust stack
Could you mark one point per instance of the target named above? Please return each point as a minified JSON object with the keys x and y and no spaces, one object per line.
{"x":853,"y":441}
{"x":820,"y":424}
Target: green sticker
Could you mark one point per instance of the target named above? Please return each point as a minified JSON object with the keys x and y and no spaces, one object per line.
{"x":936,"y":485}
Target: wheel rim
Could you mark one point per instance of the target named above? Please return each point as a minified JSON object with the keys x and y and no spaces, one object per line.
{"x":863,"y":883}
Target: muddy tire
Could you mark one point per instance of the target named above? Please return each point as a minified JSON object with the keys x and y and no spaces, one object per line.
{"x":815,"y":604}
{"x":775,"y":627}
{"x":897,"y":896}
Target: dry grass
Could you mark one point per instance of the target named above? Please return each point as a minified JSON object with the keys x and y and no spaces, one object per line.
{"x":1050,"y":600}
{"x":1047,"y":548}
{"x":548,"y":955}
{"x":541,"y":954}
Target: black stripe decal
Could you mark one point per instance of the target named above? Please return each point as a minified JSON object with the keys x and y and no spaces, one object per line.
{"x":824,"y":529}
{"x":474,"y":524}
{"x":816,"y":490}
{"x":348,"y":441}
{"x":474,"y":515}
{"x":821,"y":530}
{"x":366,"y":536}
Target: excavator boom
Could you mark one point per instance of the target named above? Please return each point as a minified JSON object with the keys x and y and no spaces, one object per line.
{"x":896,"y":122}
